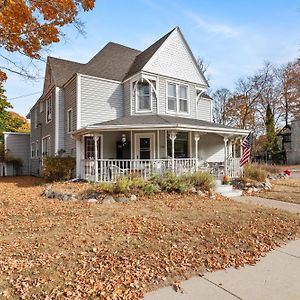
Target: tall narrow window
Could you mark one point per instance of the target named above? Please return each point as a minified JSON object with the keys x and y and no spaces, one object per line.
{"x":46,"y":146}
{"x":172,"y":98}
{"x":144,"y":96}
{"x":183,"y":99}
{"x":48,"y":110}
{"x":33,"y":150}
{"x":89,"y":147}
{"x":37,"y":149}
{"x":69,"y":121}
{"x":35,"y":117}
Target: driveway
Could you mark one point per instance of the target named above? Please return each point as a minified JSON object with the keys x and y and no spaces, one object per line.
{"x":276,"y":276}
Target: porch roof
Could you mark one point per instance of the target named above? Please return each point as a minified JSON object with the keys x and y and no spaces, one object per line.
{"x":148,"y":122}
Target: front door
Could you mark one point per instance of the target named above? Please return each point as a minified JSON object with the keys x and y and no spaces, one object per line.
{"x":144,"y":146}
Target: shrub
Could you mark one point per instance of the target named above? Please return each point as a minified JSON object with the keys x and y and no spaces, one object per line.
{"x":271,"y":169}
{"x":58,"y":168}
{"x":150,"y":188}
{"x":201,"y":180}
{"x":122,"y":185}
{"x":254,"y":172}
{"x":106,"y":187}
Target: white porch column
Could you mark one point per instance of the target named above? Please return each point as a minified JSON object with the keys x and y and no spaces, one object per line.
{"x":158,"y":150}
{"x":234,"y":148}
{"x":197,"y":138}
{"x":241,"y":149}
{"x":225,"y":155}
{"x":96,"y":138}
{"x":78,"y":158}
{"x":173,"y":138}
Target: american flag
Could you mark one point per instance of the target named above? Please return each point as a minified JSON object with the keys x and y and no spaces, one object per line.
{"x":246,"y":146}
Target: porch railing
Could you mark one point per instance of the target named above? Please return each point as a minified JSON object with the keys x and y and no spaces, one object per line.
{"x":109,"y":170}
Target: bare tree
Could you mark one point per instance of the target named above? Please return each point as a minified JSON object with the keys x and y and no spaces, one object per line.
{"x":220,"y":100}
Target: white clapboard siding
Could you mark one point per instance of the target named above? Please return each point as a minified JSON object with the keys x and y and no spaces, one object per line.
{"x":101,"y":100}
{"x":174,"y":60}
{"x":204,"y":109}
{"x":18,"y":146}
{"x":211,"y":148}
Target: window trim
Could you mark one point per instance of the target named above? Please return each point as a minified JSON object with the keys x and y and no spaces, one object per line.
{"x":101,"y":145}
{"x":135,"y":93}
{"x":32,"y":150}
{"x":69,"y":118}
{"x":45,"y":137}
{"x":177,"y":111}
{"x":36,"y":117}
{"x":47,"y":100}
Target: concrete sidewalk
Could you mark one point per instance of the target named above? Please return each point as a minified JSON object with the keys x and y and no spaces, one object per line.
{"x":276,"y":276}
{"x":291,"y":207}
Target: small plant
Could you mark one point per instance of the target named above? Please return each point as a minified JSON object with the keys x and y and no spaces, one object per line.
{"x":254,"y":172}
{"x":106,"y":187}
{"x":58,"y":168}
{"x":150,"y":188}
{"x":201,"y":180}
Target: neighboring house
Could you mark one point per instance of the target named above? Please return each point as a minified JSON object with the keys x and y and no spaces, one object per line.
{"x":130,"y":111}
{"x":289,"y":138}
{"x":17,"y":149}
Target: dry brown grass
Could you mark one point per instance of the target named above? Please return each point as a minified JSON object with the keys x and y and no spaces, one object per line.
{"x":75,"y":250}
{"x":287,"y":190}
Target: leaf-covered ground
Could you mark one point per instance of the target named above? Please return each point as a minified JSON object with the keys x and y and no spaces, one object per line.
{"x":75,"y":250}
{"x":287,"y":190}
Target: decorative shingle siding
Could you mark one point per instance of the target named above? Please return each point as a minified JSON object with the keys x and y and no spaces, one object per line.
{"x":101,"y":100}
{"x":175,"y":60}
{"x":70,"y":102}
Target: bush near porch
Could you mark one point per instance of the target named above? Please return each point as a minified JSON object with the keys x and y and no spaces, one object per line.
{"x":259,"y":172}
{"x":167,"y":182}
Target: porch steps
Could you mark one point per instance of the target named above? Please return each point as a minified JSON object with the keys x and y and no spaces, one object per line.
{"x":226,"y":190}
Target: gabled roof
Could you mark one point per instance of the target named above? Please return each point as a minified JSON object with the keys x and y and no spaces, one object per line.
{"x":141,"y":60}
{"x":112,"y":62}
{"x":204,"y":95}
{"x":62,"y":69}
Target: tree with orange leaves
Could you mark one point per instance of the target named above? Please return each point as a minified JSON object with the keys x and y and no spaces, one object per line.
{"x":29,"y":26}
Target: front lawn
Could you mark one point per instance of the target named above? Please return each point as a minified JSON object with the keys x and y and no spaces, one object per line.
{"x":51,"y":249}
{"x":287,"y":190}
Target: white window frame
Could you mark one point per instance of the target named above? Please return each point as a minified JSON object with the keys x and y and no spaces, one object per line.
{"x":69,"y":120}
{"x":177,"y":111}
{"x":41,"y":106}
{"x":49,"y":145}
{"x":135,"y":88}
{"x":33,"y":150}
{"x":49,"y":100}
{"x":37,"y":150}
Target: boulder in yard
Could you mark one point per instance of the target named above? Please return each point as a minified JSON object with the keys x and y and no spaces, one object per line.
{"x":108,"y":199}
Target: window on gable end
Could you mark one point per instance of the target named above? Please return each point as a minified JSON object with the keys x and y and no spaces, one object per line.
{"x":48,"y":110}
{"x":143,"y":96}
{"x":172,"y":97}
{"x":183,"y":98}
{"x":69,"y":121}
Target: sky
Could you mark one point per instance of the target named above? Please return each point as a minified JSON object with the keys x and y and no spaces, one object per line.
{"x":234,"y":37}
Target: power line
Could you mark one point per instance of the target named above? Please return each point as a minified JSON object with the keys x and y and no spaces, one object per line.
{"x":23,"y":96}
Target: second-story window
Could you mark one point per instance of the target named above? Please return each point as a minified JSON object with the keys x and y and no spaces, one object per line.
{"x":48,"y":110}
{"x":177,"y":98}
{"x":35,"y":117}
{"x":143,"y":96}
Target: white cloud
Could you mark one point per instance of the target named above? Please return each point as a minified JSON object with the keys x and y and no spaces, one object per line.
{"x":214,"y":27}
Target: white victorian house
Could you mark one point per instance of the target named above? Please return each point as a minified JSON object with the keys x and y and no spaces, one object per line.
{"x":130,"y":112}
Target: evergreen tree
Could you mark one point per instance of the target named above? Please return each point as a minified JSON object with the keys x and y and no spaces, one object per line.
{"x":271,"y":144}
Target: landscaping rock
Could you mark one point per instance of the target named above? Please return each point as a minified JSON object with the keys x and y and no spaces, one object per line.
{"x":108,"y":199}
{"x":133,"y":197}
{"x":122,"y":199}
{"x":66,"y":197}
{"x":92,"y":200}
{"x":193,"y":190}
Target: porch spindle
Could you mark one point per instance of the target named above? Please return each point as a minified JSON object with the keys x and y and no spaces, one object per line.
{"x":225,"y":155}
{"x":197,"y":138}
{"x":172,"y":138}
{"x":96,"y":138}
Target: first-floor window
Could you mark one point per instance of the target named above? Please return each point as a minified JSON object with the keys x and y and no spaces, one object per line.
{"x":46,"y":146}
{"x":89,"y":147}
{"x":37,"y":150}
{"x":33,"y":150}
{"x":180,"y":145}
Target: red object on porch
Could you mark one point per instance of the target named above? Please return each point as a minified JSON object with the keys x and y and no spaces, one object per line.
{"x":287,"y":172}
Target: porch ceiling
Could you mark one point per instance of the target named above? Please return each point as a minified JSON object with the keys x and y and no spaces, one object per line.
{"x":161,"y":122}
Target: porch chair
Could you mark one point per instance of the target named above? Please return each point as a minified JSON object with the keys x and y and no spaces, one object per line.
{"x":116,"y":172}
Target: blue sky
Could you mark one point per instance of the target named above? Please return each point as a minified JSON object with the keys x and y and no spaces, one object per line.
{"x":234,"y":36}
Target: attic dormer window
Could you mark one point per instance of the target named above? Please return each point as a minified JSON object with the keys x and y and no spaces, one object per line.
{"x":143,"y":93}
